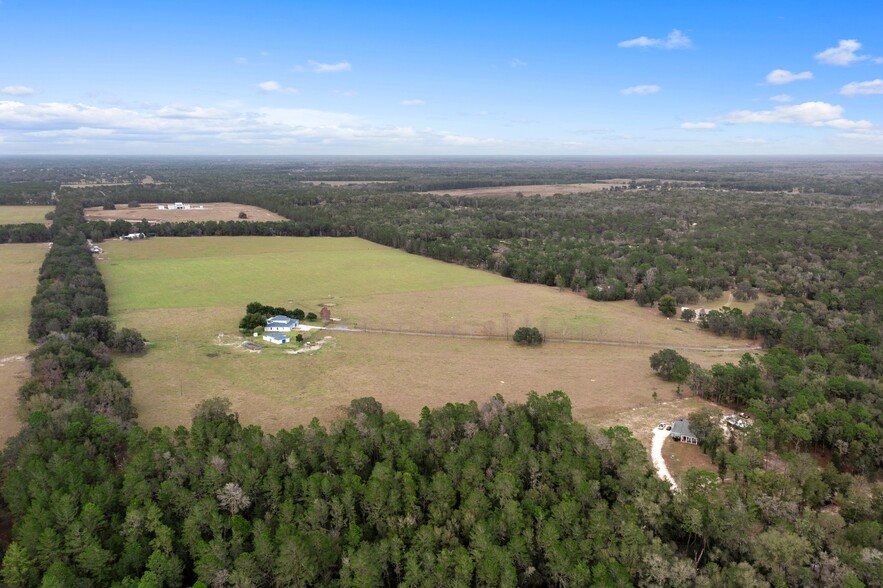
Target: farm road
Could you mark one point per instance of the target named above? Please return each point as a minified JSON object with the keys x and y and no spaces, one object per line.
{"x":551,"y":340}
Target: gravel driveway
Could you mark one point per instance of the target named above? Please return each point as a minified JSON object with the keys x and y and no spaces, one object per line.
{"x":659,"y":436}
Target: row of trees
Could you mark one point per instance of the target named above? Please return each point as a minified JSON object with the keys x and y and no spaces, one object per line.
{"x":24,"y":233}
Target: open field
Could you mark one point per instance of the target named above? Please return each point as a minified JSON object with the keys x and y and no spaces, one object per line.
{"x":531,"y":189}
{"x":337,"y":183}
{"x":213,"y":211}
{"x":181,"y":293}
{"x":14,"y":370}
{"x":16,"y":215}
{"x":146,"y":181}
{"x":19,"y":265}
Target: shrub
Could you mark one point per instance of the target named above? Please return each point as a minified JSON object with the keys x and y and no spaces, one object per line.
{"x":128,"y":341}
{"x":528,"y":336}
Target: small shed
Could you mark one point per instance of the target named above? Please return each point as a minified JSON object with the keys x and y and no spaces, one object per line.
{"x":681,"y":428}
{"x":325,"y":313}
{"x":277,"y":338}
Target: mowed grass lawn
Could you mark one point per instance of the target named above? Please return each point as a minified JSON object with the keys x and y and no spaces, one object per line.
{"x":16,"y":215}
{"x":187,"y":296}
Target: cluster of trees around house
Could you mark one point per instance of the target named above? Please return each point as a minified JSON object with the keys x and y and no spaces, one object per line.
{"x":799,"y":403}
{"x":256,"y":315}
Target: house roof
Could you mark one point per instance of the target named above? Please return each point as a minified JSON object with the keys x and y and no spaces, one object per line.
{"x":281,"y":320}
{"x":681,"y":428}
{"x":276,"y":336}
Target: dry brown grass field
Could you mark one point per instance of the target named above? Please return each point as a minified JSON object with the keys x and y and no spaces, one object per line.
{"x":183,"y":293}
{"x":19,"y":266}
{"x":14,"y":370}
{"x":213,"y":211}
{"x":680,"y":457}
{"x":531,"y":189}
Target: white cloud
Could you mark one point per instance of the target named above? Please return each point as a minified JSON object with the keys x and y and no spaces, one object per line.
{"x":193,"y":112}
{"x":413,"y":102}
{"x":863,"y":88}
{"x":111,"y":129}
{"x":517,"y":63}
{"x":646,"y":89}
{"x":462,"y":140}
{"x":16,"y":90}
{"x":781,"y":98}
{"x":816,"y":114}
{"x":843,"y":54}
{"x":868,"y":136}
{"x":698,"y":126}
{"x":783,"y":76}
{"x":842,"y":123}
{"x":330,"y":67}
{"x":752,"y":141}
{"x":240,"y":61}
{"x":877,"y":60}
{"x":274,"y":86}
{"x":675,"y":40}
{"x":79,"y":132}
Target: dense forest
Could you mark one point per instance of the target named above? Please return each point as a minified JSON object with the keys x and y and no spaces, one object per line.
{"x":478,"y":494}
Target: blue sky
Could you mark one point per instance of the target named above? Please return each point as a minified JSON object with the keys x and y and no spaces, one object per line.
{"x":587,"y":78}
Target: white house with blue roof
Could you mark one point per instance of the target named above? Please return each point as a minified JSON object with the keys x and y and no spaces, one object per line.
{"x":277,"y":338}
{"x":280,"y":324}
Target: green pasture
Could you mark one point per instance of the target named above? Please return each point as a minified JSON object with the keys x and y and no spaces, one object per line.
{"x":17,"y":215}
{"x":283,"y":271}
{"x":19,"y":266}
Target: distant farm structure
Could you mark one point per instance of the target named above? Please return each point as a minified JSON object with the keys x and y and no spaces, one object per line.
{"x":179,"y":206}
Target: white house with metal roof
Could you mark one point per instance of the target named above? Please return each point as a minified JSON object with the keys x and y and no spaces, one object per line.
{"x":281,"y":324}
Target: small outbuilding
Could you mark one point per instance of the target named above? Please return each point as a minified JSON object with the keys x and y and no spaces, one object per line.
{"x":325,"y":313}
{"x":736,"y":421}
{"x":680,"y":431}
{"x":277,"y":338}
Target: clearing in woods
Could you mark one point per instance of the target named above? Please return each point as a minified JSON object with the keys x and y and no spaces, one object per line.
{"x":212,"y":211}
{"x":182,"y":293}
{"x":19,"y":267}
{"x":531,"y":189}
{"x":17,"y":215}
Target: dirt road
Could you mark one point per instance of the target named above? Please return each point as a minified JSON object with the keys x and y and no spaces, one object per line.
{"x":659,"y":436}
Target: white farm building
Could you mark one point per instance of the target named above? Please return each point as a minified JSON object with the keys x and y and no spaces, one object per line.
{"x":280,"y":324}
